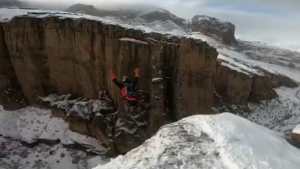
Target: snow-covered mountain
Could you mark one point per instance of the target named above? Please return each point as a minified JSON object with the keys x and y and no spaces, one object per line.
{"x":213,"y":27}
{"x":223,"y":141}
{"x":157,"y":19}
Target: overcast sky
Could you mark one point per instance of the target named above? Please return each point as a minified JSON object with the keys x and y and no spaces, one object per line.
{"x":276,"y":22}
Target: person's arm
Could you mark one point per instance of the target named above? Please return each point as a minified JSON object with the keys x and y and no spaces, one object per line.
{"x":115,"y":80}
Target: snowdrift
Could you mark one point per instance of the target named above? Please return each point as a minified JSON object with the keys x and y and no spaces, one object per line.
{"x":222,"y":141}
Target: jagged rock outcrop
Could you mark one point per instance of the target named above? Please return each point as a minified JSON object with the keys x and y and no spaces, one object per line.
{"x":240,"y":87}
{"x":163,"y":15}
{"x":214,"y":27}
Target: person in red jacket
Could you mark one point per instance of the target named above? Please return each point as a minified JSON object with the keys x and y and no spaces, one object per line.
{"x":128,"y":87}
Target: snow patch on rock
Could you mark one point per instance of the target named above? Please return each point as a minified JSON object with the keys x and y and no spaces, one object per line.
{"x":79,"y":107}
{"x":133,"y":40}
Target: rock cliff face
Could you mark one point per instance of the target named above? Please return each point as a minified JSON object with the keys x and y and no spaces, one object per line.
{"x":180,"y":75}
{"x":6,"y":70}
{"x":10,"y":94}
{"x":238,"y":87}
{"x":233,"y":86}
{"x":76,"y":56}
{"x":210,"y":26}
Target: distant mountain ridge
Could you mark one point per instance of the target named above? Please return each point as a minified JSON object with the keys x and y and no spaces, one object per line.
{"x":11,"y":3}
{"x":92,"y":10}
{"x":148,"y":15}
{"x":159,"y":18}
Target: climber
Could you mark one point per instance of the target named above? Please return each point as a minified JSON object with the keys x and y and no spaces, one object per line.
{"x":128,"y":87}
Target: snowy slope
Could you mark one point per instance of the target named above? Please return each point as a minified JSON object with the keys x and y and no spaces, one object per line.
{"x":47,"y":140}
{"x":253,"y":57}
{"x":281,"y":114}
{"x":14,"y":154}
{"x":32,"y":124}
{"x":223,"y":141}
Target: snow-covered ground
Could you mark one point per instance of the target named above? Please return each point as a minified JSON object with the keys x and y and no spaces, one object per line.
{"x":14,"y":155}
{"x":32,"y":124}
{"x":223,"y":141}
{"x":25,"y":132}
{"x":281,"y":114}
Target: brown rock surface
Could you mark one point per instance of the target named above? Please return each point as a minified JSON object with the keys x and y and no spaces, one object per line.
{"x":194,"y":78}
{"x":295,"y":138}
{"x":11,"y":96}
{"x":241,"y":87}
{"x":233,"y":86}
{"x":7,"y":73}
{"x":262,"y":89}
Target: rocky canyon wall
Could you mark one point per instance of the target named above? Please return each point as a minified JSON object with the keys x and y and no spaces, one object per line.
{"x":77,"y":56}
{"x":180,"y":75}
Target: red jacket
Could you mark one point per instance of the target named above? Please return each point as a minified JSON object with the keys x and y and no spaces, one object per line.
{"x":123,"y":89}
